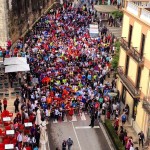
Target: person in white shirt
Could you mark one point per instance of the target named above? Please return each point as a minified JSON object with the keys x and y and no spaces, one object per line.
{"x":57,"y":114}
{"x":131,"y":147}
{"x":19,"y":137}
{"x":114,"y":107}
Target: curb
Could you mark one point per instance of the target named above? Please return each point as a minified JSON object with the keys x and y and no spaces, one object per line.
{"x":108,"y":138}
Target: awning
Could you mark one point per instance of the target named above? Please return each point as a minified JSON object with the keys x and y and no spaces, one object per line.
{"x":94,"y":30}
{"x":105,"y":8}
{"x":15,"y":61}
{"x":17,"y":68}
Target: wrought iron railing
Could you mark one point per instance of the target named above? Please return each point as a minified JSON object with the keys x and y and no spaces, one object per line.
{"x":132,"y":51}
{"x":135,"y":92}
{"x":146,"y":104}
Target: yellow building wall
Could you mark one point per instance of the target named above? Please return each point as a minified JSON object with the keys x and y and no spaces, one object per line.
{"x":129,"y":101}
{"x":125,"y":29}
{"x":122,"y":58}
{"x":147,"y":46}
{"x":119,"y":85}
{"x":144,"y":80}
{"x":136,"y":36}
{"x":140,"y":116}
{"x":132,"y":70}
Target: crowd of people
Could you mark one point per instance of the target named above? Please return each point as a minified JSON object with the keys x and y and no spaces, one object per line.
{"x":69,"y":65}
{"x":67,"y":77}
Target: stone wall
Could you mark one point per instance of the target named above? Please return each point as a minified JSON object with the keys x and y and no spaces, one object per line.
{"x":17,"y":15}
{"x":4,"y":34}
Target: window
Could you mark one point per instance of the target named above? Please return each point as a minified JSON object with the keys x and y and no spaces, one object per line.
{"x":127,"y":65}
{"x":138,"y":77}
{"x":142,"y":45}
{"x":130,"y":35}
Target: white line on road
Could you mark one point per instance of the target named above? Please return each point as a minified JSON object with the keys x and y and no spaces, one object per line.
{"x":76,"y":136}
{"x":86,"y":127}
{"x":74,"y":118}
{"x":55,"y":121}
{"x":82,"y":116}
{"x":106,"y":136}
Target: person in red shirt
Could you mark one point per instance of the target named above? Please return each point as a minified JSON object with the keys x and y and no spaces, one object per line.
{"x":5,"y":103}
{"x":71,"y":112}
{"x":116,"y":124}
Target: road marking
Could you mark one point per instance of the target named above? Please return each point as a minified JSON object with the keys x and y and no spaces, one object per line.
{"x":106,"y":136}
{"x":87,"y":127}
{"x":55,"y":121}
{"x":82,"y":116}
{"x":65,"y":119}
{"x":74,"y":118}
{"x":76,"y":136}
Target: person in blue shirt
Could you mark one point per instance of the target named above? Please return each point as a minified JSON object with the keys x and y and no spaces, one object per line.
{"x":74,"y":105}
{"x":89,"y":77}
{"x":63,"y":105}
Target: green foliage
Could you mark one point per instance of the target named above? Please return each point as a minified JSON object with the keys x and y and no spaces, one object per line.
{"x":117,"y":14}
{"x":117,"y":44}
{"x":115,"y":59}
{"x":113,"y":135}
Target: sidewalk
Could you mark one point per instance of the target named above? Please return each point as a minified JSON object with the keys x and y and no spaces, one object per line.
{"x":128,"y":127}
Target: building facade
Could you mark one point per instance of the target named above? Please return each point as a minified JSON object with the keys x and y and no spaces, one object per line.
{"x":134,"y":64}
{"x":17,"y":15}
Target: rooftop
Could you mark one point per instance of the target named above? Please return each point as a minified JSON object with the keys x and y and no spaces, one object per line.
{"x":140,"y":9}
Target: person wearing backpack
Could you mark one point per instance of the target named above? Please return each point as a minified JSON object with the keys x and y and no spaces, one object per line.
{"x":69,"y":143}
{"x":123,"y":118}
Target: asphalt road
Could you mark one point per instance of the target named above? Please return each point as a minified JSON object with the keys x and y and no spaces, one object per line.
{"x":83,"y":136}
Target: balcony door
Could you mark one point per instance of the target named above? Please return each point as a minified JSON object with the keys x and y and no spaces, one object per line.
{"x":130,"y":35}
{"x":138,"y":77}
{"x":142,"y":44}
{"x":127,"y":65}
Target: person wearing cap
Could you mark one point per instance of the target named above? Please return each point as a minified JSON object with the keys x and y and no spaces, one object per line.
{"x":69,"y":143}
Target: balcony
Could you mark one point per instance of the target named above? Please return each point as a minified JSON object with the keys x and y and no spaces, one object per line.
{"x":146,"y":104}
{"x":140,"y":9}
{"x":135,"y":92}
{"x":132,"y":52}
{"x":124,"y":44}
{"x":132,"y":8}
{"x":136,"y":56}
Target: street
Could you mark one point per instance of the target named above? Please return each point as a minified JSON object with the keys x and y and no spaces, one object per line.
{"x":83,"y":136}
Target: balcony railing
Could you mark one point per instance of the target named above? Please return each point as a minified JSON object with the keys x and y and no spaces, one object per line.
{"x":139,"y":9}
{"x":132,"y":8}
{"x":146,"y":104}
{"x":135,"y":92}
{"x":124,"y":44}
{"x":132,"y":52}
{"x":136,"y":55}
{"x":145,"y":15}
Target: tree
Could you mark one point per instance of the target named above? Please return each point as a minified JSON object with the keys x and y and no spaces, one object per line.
{"x":117,"y":14}
{"x":115,"y":59}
